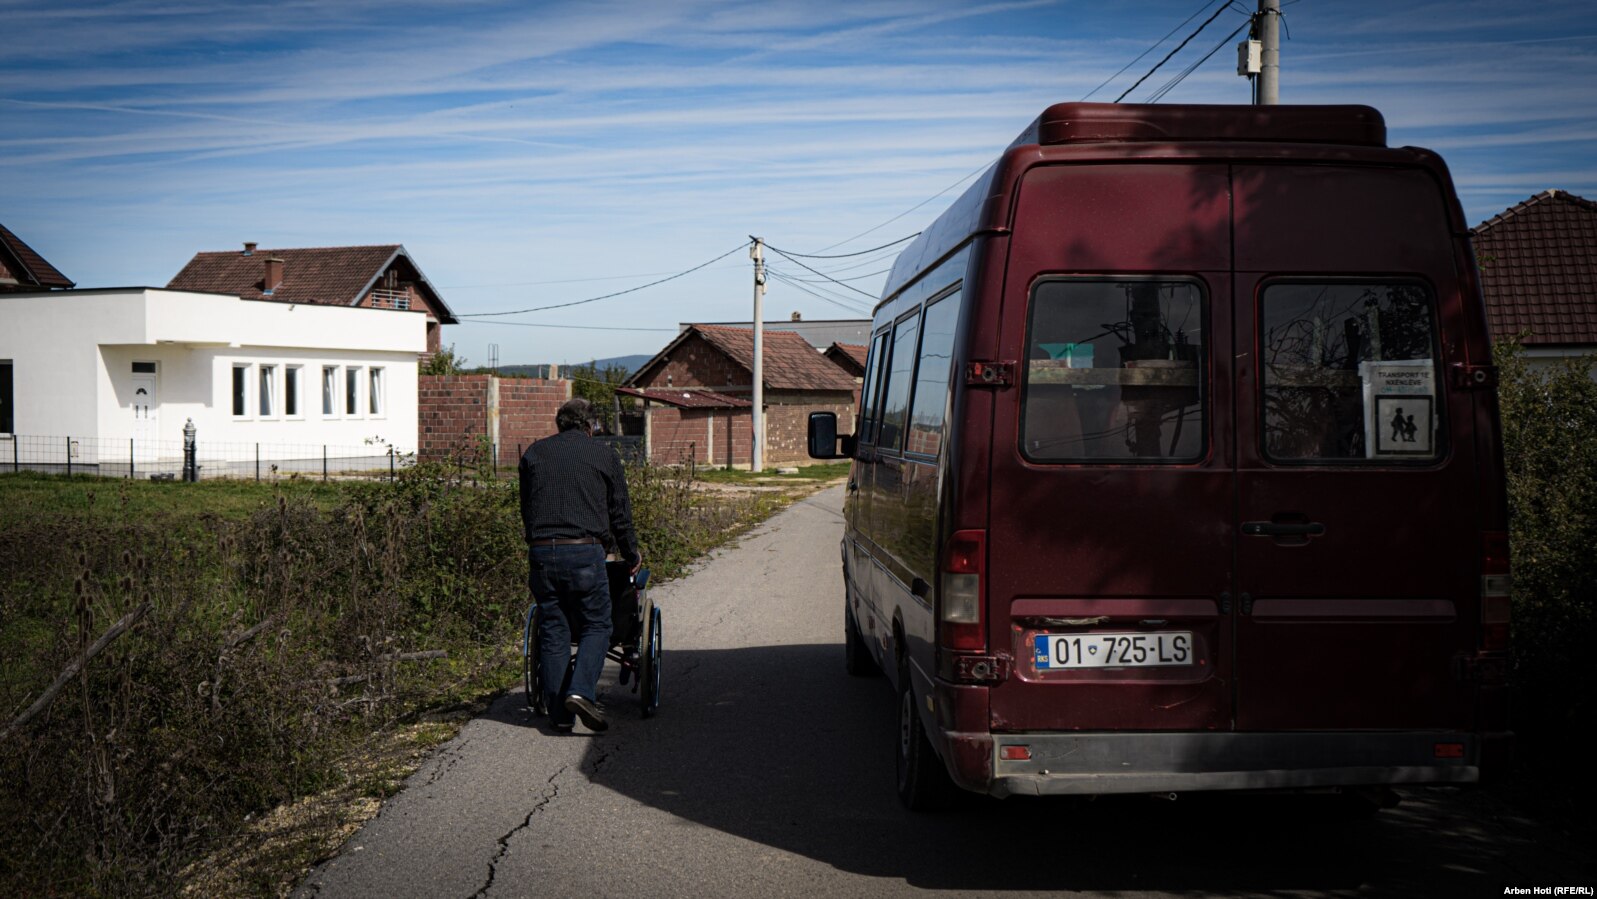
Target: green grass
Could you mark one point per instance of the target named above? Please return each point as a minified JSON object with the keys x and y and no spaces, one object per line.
{"x":808,"y":474}
{"x":24,"y":496}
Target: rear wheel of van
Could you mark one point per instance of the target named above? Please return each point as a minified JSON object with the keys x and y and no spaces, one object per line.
{"x":856,"y":655}
{"x":923,"y":782}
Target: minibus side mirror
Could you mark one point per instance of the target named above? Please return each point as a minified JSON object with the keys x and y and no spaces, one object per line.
{"x":823,"y":440}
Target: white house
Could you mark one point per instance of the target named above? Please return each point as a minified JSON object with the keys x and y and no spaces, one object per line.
{"x":114,"y":374}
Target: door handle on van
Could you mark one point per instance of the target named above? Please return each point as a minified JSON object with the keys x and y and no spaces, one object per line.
{"x":1275,"y":529}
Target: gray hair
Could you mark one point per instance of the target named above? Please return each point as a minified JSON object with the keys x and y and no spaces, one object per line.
{"x":574,"y":413}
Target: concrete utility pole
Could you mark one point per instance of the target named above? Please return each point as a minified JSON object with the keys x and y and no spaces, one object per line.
{"x":757,"y":456}
{"x":1268,"y":26}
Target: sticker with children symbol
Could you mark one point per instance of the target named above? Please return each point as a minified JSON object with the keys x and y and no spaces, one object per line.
{"x":1404,"y":425}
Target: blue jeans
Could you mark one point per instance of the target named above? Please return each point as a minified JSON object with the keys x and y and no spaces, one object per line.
{"x":573,"y":593}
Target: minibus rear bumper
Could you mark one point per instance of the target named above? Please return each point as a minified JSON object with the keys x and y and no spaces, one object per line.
{"x":1087,"y":763}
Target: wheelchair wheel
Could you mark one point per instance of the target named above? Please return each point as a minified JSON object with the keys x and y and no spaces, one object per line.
{"x":529,"y":663}
{"x":650,"y":675}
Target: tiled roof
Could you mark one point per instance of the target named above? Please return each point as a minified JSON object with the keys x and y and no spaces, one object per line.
{"x":854,"y":353}
{"x":691,"y":398}
{"x":1539,"y":269}
{"x":790,"y":362}
{"x":329,"y":276}
{"x":35,"y":271}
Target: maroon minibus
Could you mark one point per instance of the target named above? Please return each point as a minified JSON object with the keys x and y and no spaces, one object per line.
{"x":1177,"y":467}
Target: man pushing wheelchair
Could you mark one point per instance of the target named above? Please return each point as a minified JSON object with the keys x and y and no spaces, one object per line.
{"x":573,"y":504}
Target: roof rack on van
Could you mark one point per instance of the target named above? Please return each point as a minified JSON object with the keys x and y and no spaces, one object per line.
{"x":1069,"y":123}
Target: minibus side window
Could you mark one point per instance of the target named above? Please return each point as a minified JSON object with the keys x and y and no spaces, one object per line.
{"x":870,"y":390}
{"x":1350,"y":372}
{"x":1114,"y":371}
{"x":900,"y":374}
{"x":931,"y":376}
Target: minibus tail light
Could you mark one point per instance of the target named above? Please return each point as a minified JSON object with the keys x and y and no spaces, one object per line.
{"x":1496,"y":583}
{"x":962,"y":592}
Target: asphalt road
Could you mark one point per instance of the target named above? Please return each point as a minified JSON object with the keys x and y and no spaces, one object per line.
{"x":768,"y":771}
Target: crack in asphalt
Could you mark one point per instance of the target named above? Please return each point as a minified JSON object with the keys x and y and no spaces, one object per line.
{"x":446,"y":761}
{"x":549,"y":795}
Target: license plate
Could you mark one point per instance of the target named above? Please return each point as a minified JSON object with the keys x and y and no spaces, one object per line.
{"x":1143,"y":650}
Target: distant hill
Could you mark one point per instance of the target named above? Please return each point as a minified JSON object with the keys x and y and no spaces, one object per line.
{"x":629,"y":363}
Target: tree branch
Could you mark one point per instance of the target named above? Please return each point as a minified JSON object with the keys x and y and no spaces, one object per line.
{"x":73,"y":667}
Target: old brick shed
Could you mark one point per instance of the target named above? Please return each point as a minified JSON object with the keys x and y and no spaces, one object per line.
{"x":714,"y":364}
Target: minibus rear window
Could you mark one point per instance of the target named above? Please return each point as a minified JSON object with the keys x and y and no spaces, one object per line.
{"x":1114,"y":371}
{"x":1349,"y":372}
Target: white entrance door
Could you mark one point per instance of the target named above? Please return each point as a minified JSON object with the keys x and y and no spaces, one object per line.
{"x":146,"y":408}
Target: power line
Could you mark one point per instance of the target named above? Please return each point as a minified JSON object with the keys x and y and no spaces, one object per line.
{"x":609,"y":295}
{"x":559,"y":281}
{"x":845,"y":255}
{"x":817,"y":289}
{"x":1147,"y":51}
{"x":1167,"y":88}
{"x":841,"y":304}
{"x":910,"y":209}
{"x":1185,"y":41}
{"x":880,"y":271}
{"x":567,"y":327}
{"x":872,"y":297}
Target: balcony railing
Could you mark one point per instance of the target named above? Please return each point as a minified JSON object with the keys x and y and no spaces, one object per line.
{"x":391,"y":299}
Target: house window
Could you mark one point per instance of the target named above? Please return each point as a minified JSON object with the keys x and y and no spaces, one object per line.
{"x":351,"y":390}
{"x":329,"y":389}
{"x":241,"y":384}
{"x":7,"y":419}
{"x":144,"y":368}
{"x":267,"y":394}
{"x":291,"y":390}
{"x":374,"y":392}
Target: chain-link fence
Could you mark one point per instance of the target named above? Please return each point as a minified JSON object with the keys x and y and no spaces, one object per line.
{"x":163,"y":459}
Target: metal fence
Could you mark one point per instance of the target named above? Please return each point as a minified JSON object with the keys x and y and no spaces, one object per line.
{"x":630,"y":449}
{"x":163,"y":459}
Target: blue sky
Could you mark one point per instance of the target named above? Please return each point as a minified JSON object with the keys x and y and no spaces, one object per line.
{"x":530,"y":154}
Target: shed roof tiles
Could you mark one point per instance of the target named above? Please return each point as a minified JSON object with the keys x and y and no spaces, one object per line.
{"x":1539,"y":270}
{"x":791,"y":363}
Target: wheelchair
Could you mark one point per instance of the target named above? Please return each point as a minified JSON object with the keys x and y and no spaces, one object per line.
{"x":635,"y":640}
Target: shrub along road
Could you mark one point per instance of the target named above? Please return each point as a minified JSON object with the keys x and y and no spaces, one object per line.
{"x":769,"y":771}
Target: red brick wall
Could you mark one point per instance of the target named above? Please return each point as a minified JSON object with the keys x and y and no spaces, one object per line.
{"x":787,"y":428}
{"x":697,"y":364}
{"x":453,"y":414}
{"x":527,"y":408}
{"x":676,"y":435}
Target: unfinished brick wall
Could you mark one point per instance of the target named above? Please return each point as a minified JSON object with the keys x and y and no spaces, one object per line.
{"x":677,"y":435}
{"x":455,"y":414}
{"x":787,"y":427}
{"x":527,"y":408}
{"x":696,"y":363}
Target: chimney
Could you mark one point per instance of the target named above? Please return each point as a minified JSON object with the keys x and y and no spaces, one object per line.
{"x":797,"y":317}
{"x":274,"y":274}
{"x":249,"y":247}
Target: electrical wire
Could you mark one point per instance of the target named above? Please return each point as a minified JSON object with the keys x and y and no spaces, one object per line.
{"x":559,"y":281}
{"x":844,"y":255}
{"x":816,"y":290}
{"x":1161,"y":92}
{"x":610,"y":295}
{"x":895,"y":218}
{"x":565,"y":327}
{"x":1155,"y":46}
{"x":1185,"y":41}
{"x":880,"y":271}
{"x":841,"y":304}
{"x":819,"y":272}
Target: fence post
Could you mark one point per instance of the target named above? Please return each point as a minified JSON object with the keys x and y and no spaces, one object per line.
{"x":69,"y":457}
{"x":16,"y":457}
{"x":324,"y":463}
{"x":257,"y":463}
{"x":191,"y":468}
{"x":130,"y":458}
{"x":390,"y":464}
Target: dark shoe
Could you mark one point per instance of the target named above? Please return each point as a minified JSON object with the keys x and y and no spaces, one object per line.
{"x":589,"y":711}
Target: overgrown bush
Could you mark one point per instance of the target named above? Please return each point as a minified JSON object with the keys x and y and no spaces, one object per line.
{"x":272,"y":646}
{"x":1550,"y":454}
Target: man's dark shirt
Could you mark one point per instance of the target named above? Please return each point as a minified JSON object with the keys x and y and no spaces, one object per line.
{"x":573,"y":486}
